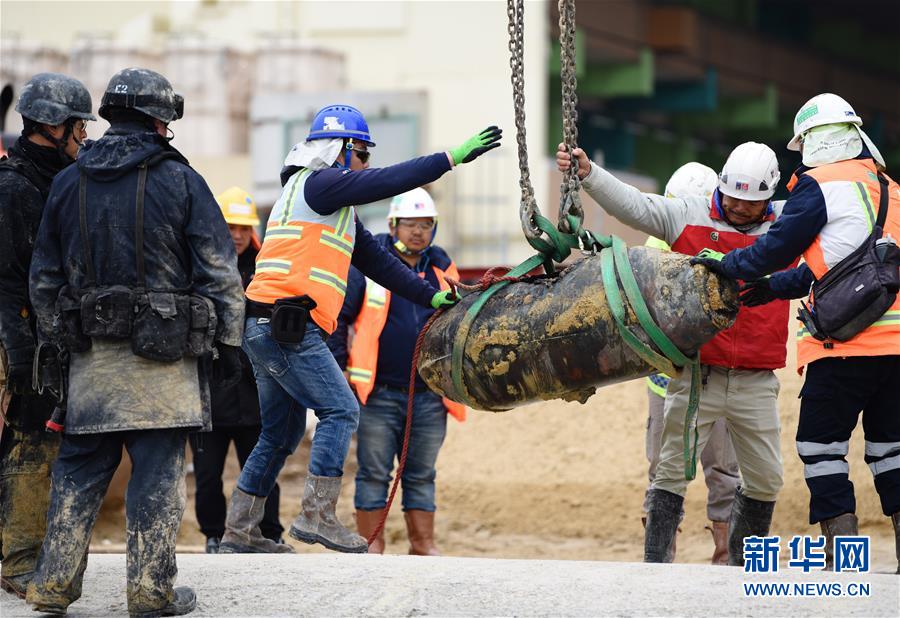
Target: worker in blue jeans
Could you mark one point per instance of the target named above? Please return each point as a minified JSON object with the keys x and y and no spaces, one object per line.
{"x":312,"y":237}
{"x":385,"y":329}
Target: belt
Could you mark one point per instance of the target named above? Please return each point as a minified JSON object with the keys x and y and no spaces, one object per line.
{"x":262,"y":310}
{"x":402,"y":389}
{"x":259,"y":310}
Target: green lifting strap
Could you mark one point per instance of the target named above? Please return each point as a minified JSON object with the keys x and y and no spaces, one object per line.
{"x":613,"y":263}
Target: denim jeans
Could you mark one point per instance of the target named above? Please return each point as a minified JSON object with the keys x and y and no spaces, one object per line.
{"x":380,"y":441}
{"x":290,"y":379}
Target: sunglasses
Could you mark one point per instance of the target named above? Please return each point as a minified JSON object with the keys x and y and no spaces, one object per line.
{"x":362,"y":155}
{"x":425,"y":226}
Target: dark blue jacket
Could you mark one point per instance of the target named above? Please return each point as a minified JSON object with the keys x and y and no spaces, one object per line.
{"x":187,"y":246}
{"x":405,"y":319}
{"x":803,"y":217}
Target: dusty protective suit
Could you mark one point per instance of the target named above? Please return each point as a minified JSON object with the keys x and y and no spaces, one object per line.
{"x":26,"y":450}
{"x":118,"y":399}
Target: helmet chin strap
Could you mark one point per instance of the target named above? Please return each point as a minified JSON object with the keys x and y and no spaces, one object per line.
{"x":348,"y":152}
{"x":61,"y":143}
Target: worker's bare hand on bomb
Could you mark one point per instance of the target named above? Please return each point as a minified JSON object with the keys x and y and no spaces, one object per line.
{"x":564,"y":161}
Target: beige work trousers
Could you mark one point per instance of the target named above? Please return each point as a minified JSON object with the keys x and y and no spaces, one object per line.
{"x":748,"y":401}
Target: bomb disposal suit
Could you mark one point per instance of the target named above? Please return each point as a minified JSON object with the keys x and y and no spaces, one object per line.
{"x":135,"y":272}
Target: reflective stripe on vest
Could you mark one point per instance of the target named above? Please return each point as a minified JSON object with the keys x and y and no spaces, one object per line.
{"x":304,"y":252}
{"x":362,"y":361}
{"x":851,"y":191}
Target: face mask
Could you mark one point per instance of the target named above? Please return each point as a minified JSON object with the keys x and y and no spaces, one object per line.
{"x":831,"y":143}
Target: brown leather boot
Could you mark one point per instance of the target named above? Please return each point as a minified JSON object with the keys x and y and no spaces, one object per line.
{"x":366,"y":522}
{"x":719,"y":530}
{"x":842,"y":525}
{"x":420,"y":528}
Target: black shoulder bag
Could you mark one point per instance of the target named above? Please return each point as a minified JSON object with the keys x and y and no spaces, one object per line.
{"x":859,"y":289}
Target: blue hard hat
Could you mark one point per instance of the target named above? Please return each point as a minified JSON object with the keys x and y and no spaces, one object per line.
{"x":340,"y":121}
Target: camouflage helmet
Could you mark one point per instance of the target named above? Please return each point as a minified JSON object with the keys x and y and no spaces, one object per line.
{"x":53,"y":98}
{"x":145,"y":91}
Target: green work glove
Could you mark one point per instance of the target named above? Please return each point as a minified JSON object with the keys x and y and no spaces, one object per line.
{"x":477,"y":145}
{"x":711,"y":260}
{"x":445,"y":299}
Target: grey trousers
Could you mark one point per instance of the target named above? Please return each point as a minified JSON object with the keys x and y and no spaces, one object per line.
{"x":747,"y":400}
{"x":720,"y":466}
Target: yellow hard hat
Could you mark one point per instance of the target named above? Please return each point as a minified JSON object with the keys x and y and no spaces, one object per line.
{"x":238,"y":207}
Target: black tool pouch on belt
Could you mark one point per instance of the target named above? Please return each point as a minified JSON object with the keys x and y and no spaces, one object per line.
{"x":108,"y":312}
{"x":202,"y":335}
{"x":858,"y":290}
{"x":68,"y":308}
{"x":289,"y":318}
{"x":161,"y":326}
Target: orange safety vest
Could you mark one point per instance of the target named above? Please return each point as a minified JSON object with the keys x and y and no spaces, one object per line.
{"x":362,"y":362}
{"x":305,"y":253}
{"x":852,"y":191}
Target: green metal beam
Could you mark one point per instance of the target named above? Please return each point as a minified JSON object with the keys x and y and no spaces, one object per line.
{"x":619,"y":79}
{"x":553,"y":65}
{"x":735,"y":114}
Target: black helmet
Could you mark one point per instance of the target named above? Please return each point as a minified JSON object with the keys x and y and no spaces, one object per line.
{"x":52,"y":98}
{"x":145,"y":91}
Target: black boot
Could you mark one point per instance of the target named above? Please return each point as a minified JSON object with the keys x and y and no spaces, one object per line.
{"x":663,"y":517}
{"x":842,"y":525}
{"x":749,"y":517}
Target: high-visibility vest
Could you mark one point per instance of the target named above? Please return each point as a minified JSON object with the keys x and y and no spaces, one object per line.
{"x":305,"y":253}
{"x":851,"y":191}
{"x":658,"y":383}
{"x":362,"y":361}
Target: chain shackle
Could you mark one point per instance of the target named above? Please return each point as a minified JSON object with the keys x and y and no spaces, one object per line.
{"x":569,"y":190}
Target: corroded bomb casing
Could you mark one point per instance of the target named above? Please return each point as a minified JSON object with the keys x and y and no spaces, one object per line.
{"x":554,"y":337}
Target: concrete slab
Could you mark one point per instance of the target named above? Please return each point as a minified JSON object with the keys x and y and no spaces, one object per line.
{"x":345,"y":585}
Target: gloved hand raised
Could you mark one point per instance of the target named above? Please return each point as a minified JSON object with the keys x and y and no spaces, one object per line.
{"x":756,"y":293}
{"x":712,"y":260}
{"x":227,"y":368}
{"x":477,"y":145}
{"x":445,"y":299}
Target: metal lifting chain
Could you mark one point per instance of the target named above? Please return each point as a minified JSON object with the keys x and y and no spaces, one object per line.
{"x":528,"y":210}
{"x":569,"y":196}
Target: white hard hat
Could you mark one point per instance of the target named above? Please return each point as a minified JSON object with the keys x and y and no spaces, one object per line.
{"x":822,"y":109}
{"x":691,"y":180}
{"x":415,"y":203}
{"x":750,"y":173}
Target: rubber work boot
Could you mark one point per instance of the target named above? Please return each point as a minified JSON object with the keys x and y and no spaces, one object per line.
{"x":842,"y":525}
{"x":184,"y":602}
{"x":15,"y":584}
{"x":420,"y":529}
{"x":242,"y":534}
{"x":749,"y":517}
{"x":366,"y":522}
{"x":673,"y":546}
{"x":318,"y":523}
{"x":719,"y":530}
{"x":663,"y":517}
{"x":895,"y":520}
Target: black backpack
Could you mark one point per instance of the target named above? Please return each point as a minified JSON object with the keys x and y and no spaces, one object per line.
{"x":859,"y":289}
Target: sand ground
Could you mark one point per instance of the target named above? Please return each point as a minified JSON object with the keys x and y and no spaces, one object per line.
{"x":556,"y":480}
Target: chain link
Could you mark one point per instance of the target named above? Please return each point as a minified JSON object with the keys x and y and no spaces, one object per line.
{"x":569,"y":190}
{"x":528,"y":209}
